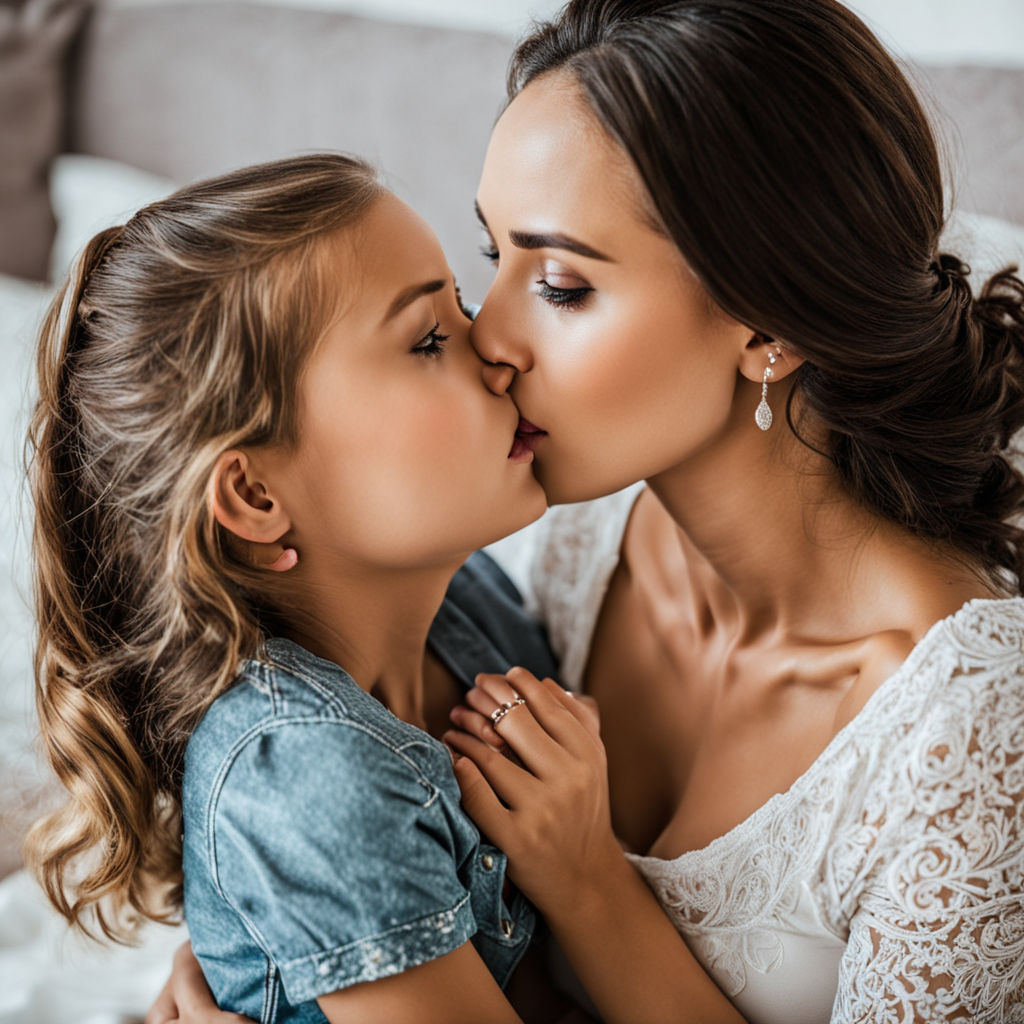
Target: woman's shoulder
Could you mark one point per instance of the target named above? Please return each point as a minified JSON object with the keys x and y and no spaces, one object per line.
{"x":970,"y":661}
{"x":938,"y":744}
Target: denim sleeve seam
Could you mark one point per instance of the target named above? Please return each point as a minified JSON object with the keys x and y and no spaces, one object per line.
{"x":329,"y":696}
{"x":254,"y":733}
{"x":374,"y":957}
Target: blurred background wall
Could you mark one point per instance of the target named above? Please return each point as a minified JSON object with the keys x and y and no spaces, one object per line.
{"x":934,"y":31}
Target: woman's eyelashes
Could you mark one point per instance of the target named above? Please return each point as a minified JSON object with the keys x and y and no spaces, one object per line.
{"x":563,"y":298}
{"x":432,"y":343}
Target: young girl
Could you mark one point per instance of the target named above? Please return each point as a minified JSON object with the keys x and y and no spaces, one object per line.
{"x":262,"y":448}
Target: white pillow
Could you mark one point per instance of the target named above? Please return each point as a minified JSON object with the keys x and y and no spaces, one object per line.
{"x":88,"y":194}
{"x":22,"y":305}
{"x":986,"y":243}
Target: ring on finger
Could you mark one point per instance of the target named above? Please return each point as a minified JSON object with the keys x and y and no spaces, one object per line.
{"x":503,"y":709}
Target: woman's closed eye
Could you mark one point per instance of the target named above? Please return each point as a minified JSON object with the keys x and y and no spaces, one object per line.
{"x":431,"y":344}
{"x":567,"y":298}
{"x":562,"y":287}
{"x":563,"y":298}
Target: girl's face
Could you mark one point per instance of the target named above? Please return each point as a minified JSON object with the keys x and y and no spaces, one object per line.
{"x":621,"y":356}
{"x":406,"y":457}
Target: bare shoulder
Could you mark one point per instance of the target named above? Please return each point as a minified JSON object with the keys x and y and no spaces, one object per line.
{"x":884,"y":652}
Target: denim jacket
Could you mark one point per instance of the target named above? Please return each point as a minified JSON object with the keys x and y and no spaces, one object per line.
{"x":324,"y":842}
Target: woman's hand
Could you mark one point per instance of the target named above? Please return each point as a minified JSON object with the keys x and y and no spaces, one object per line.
{"x":186,"y":998}
{"x":550,"y":812}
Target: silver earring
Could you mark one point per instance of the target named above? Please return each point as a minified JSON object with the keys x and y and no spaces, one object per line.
{"x":763,"y":413}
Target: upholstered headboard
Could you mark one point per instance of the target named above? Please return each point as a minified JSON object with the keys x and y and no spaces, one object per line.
{"x":189,"y":90}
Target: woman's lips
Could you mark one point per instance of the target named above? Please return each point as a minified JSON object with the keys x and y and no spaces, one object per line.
{"x":526,"y":440}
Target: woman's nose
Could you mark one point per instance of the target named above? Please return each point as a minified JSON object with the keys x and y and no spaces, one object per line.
{"x":492,"y":335}
{"x":498,"y":377}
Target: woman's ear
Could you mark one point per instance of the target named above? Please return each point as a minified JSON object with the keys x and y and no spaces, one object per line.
{"x":254,"y":518}
{"x":757,"y":356}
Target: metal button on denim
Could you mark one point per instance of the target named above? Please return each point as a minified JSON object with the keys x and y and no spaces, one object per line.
{"x":507,"y":927}
{"x":487,"y":861}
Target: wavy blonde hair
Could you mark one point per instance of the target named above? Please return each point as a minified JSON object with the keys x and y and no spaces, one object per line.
{"x":177,"y":336}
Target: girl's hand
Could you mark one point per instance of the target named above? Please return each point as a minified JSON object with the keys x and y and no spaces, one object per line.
{"x":550,"y":813}
{"x":186,"y":998}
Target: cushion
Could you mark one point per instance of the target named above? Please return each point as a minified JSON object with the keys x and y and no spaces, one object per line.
{"x":34,"y":39}
{"x":987,"y":244}
{"x":90,"y":193}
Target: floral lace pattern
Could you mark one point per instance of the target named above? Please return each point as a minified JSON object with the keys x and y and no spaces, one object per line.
{"x":902,"y":845}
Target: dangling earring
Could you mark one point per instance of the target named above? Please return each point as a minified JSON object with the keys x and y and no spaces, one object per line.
{"x":763,"y":413}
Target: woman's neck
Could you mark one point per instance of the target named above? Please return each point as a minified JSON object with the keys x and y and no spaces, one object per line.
{"x":373,"y":623}
{"x":773,"y":545}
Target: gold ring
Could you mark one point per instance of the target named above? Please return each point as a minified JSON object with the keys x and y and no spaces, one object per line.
{"x":503,"y":709}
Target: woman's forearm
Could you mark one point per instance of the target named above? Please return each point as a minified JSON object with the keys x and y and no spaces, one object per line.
{"x":628,"y":955}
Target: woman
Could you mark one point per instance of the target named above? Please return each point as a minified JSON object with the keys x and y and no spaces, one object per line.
{"x":263,"y":447}
{"x":806,"y":640}
{"x":802,"y":634}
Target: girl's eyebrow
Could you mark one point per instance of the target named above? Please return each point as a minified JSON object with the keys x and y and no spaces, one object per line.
{"x":411,"y":294}
{"x":546,"y":240}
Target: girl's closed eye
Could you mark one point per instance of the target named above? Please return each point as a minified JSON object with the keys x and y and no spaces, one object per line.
{"x":489,"y":251}
{"x":432,"y":343}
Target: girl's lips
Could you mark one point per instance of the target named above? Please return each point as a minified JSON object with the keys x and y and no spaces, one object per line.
{"x":526,"y":440}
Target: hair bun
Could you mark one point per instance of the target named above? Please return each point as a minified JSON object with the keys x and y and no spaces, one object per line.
{"x":949,"y":269}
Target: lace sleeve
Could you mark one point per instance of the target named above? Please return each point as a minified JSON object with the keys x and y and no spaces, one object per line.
{"x":938,"y":931}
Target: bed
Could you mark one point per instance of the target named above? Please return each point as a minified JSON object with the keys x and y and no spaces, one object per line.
{"x":105,"y":108}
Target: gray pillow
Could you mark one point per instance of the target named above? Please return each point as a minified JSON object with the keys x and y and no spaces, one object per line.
{"x":34,"y":40}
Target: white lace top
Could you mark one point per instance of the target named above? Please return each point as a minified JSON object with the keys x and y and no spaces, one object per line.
{"x":887,"y":884}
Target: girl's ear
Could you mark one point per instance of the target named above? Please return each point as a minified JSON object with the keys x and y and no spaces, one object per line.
{"x":242,"y":504}
{"x":756,"y":357}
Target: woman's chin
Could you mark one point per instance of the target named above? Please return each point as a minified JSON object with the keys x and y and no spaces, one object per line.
{"x":564,"y":486}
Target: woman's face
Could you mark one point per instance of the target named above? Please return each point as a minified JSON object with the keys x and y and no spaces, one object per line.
{"x":621,"y":357}
{"x":405,"y":456}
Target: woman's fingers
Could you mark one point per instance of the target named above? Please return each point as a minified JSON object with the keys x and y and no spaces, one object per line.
{"x":192,"y":996}
{"x":478,"y":724}
{"x":510,"y":783}
{"x":164,"y":1010}
{"x":512,"y":720}
{"x":554,"y":709}
{"x":481,"y":804}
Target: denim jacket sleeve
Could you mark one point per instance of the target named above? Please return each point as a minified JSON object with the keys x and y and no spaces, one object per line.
{"x":330,"y":901}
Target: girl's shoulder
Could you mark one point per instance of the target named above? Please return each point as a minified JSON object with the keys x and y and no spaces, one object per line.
{"x":293,"y":721}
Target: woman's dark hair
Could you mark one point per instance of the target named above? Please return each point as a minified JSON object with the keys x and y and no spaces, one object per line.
{"x":787,"y":156}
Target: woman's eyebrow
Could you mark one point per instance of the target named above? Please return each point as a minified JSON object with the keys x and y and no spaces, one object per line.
{"x":546,"y":240}
{"x":531,"y":240}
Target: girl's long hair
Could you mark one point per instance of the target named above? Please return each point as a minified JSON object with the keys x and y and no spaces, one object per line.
{"x":789,"y":159}
{"x":177,"y":336}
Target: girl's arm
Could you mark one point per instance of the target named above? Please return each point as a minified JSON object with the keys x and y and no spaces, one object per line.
{"x":456,"y":988}
{"x":551,"y":817}
{"x":447,"y":987}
